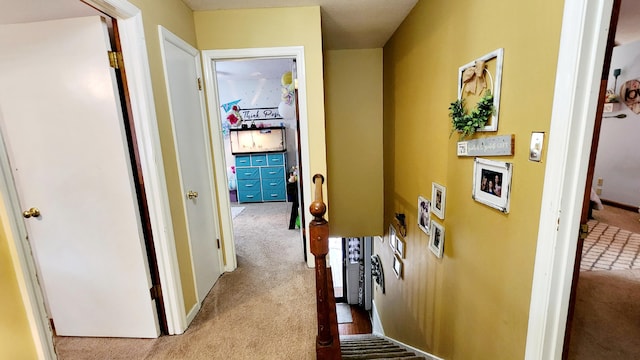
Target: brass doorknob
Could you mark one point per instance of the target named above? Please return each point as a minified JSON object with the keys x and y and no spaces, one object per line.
{"x":33,"y":212}
{"x":192,"y":194}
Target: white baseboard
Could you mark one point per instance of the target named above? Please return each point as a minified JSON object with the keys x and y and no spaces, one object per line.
{"x":417,"y":351}
{"x":378,"y":329}
{"x":376,"y":323}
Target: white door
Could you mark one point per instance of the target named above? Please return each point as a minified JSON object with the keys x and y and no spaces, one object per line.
{"x":63,"y":126}
{"x":182,"y":70}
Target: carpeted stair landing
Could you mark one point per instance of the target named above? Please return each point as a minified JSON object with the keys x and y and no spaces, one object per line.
{"x":357,"y":347}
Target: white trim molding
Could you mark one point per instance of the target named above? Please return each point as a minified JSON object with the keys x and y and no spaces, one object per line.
{"x":134,"y":53}
{"x":209,"y":57}
{"x":585,"y":27}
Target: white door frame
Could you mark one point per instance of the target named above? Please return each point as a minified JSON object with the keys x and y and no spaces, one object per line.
{"x":143,"y":110}
{"x":209,"y":57}
{"x":585,"y":27}
{"x":168,"y":36}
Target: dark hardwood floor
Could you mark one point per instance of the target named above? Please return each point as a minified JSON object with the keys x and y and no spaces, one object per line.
{"x":360,"y":325}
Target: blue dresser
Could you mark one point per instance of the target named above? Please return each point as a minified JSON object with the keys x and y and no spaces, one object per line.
{"x":261,"y":177}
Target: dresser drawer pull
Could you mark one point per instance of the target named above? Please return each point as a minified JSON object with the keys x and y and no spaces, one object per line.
{"x":247,"y":174}
{"x":248,"y":185}
{"x":249,"y":196}
{"x":272,"y":172}
{"x":274,"y":195}
{"x":273,"y":184}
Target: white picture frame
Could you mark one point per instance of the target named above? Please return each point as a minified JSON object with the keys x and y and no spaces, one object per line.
{"x":424,"y":217}
{"x":438,"y":200}
{"x":398,"y":267}
{"x":498,"y":55}
{"x":486,"y":174}
{"x":392,"y":238}
{"x":436,"y":239}
{"x":401,"y":246}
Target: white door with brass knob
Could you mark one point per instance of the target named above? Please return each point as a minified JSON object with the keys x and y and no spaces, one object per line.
{"x":62,"y":124}
{"x":182,"y":66}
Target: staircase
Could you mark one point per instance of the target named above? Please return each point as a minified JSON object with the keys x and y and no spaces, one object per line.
{"x":357,"y":347}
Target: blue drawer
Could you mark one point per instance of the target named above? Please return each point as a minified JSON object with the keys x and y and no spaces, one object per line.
{"x":274,"y":195}
{"x":249,"y":196}
{"x":259,"y":160}
{"x":249,"y":185}
{"x":243,"y":160}
{"x":272,"y":184}
{"x":248,"y":173}
{"x":275,"y":159}
{"x":272,"y":172}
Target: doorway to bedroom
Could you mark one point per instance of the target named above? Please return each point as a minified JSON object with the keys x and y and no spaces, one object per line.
{"x":260,"y":136}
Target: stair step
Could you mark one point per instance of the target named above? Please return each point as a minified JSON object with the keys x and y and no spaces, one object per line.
{"x":361,"y":347}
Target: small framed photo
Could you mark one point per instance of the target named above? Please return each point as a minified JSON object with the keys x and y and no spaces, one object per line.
{"x":438,"y":200}
{"x":492,"y":183}
{"x":392,"y":237}
{"x":400,"y":247}
{"x":436,"y":240}
{"x":424,"y":208}
{"x":397,"y":267}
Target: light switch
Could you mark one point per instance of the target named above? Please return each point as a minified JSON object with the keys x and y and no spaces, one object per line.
{"x":535,"y":149}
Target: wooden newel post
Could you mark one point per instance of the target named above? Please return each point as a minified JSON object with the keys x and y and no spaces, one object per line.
{"x":319,"y":238}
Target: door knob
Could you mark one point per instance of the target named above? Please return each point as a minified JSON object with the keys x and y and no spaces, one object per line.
{"x":192,"y":194}
{"x":33,"y":212}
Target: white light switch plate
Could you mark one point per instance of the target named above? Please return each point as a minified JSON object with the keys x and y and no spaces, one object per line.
{"x":535,"y":149}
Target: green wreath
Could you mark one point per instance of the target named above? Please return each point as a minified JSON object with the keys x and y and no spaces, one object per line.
{"x":468,"y":123}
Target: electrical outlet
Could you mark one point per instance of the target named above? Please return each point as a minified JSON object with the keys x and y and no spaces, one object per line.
{"x":600,"y":181}
{"x":599,"y":191}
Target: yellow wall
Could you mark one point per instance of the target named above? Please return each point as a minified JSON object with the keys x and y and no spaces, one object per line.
{"x":473,"y":303}
{"x":16,"y":341}
{"x":177,"y":18}
{"x":276,"y":27}
{"x":353,"y":93}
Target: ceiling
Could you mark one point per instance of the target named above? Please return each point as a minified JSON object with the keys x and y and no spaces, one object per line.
{"x":346,"y":24}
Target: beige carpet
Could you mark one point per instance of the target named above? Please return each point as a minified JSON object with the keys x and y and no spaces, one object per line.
{"x":606,"y":322}
{"x":265,"y":309}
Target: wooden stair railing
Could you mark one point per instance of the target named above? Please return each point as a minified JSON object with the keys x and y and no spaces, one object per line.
{"x":328,"y":339}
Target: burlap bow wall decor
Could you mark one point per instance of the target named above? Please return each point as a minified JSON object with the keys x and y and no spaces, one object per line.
{"x":473,"y":81}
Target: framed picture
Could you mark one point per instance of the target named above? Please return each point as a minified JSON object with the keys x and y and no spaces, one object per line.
{"x":397,"y":267}
{"x":424,"y":207}
{"x":493,"y":65}
{"x":492,"y":183}
{"x":400,"y":247}
{"x":438,"y":200}
{"x":436,"y":240}
{"x":392,"y":237}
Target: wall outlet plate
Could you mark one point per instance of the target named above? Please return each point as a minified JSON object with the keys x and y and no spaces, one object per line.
{"x":535,"y":149}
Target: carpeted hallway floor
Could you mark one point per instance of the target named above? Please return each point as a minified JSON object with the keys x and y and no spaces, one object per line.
{"x":606,"y":322}
{"x":265,"y":309}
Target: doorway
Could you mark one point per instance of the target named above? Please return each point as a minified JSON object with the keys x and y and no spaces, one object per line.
{"x":260,"y":135}
{"x":258,"y":105}
{"x":606,"y":270}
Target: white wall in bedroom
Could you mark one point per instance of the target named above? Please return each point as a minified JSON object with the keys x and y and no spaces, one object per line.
{"x":618,"y":158}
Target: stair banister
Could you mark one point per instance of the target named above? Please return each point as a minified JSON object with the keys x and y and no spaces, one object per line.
{"x":327,"y":340}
